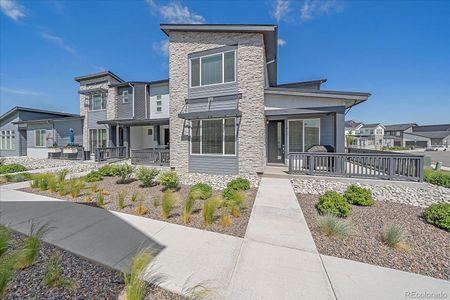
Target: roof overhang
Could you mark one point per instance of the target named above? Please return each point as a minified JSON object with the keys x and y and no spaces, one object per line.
{"x":134,"y":122}
{"x":127,"y":83}
{"x":98,"y":75}
{"x":210,"y":114}
{"x":49,"y":120}
{"x":269,"y":31}
{"x":36,"y":110}
{"x":93,"y":91}
{"x":304,"y":111}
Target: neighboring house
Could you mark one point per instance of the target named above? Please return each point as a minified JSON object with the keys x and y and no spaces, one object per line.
{"x":352,"y":127}
{"x":370,"y":136}
{"x":397,"y":133}
{"x":29,"y":131}
{"x":433,"y":134}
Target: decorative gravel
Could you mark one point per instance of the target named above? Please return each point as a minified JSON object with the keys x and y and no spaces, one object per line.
{"x":420,"y":194}
{"x":74,"y":166}
{"x":218,"y":182}
{"x":92,"y":281}
{"x":429,"y":252}
{"x":109,"y":184}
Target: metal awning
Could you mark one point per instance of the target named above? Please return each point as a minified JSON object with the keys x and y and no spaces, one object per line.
{"x":210,"y":114}
{"x":93,"y":91}
{"x":134,"y":122}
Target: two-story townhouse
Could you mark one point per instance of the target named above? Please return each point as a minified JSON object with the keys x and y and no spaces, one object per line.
{"x":370,"y":136}
{"x":396,"y":132}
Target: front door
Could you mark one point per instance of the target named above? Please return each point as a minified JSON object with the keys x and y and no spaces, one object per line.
{"x":275,"y":139}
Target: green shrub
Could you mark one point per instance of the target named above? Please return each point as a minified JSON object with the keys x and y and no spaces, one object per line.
{"x":333,"y":203}
{"x":41,"y":181}
{"x":201,"y":190}
{"x":239,"y":184}
{"x":146,"y":175}
{"x":188,"y":208}
{"x":27,"y":254}
{"x":53,"y":274}
{"x":62,"y":174}
{"x":18,"y":177}
{"x":209,"y":209}
{"x":75,"y":187}
{"x":169,"y":180}
{"x":63,"y":188}
{"x":100,"y":199}
{"x":358,"y":195}
{"x":332,"y":226}
{"x":438,"y":215}
{"x":134,"y":282}
{"x":4,"y":240}
{"x":7,"y":263}
{"x":93,"y":176}
{"x":12,"y":168}
{"x":124,"y":172}
{"x":441,"y":178}
{"x":108,"y":170}
{"x":134,"y":196}
{"x":235,"y":201}
{"x":121,"y":199}
{"x":52,"y":183}
{"x":168,"y":202}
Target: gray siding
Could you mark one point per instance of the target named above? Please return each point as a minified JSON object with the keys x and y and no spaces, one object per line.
{"x":93,"y":117}
{"x":29,"y":115}
{"x":213,"y":105}
{"x":31,"y":143}
{"x":139,"y":101}
{"x":125,"y":110}
{"x":23,"y":142}
{"x":62,"y":132}
{"x":327,"y":130}
{"x":222,"y":165}
{"x":162,"y":89}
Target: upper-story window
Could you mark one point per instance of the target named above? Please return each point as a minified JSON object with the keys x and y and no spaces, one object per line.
{"x":213,"y":69}
{"x":97,"y":102}
{"x":125,"y":96}
{"x":159,"y":103}
{"x":379,"y":131}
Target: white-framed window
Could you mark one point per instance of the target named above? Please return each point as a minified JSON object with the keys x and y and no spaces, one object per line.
{"x":303,"y":134}
{"x":39,"y":138}
{"x":213,"y":137}
{"x":97,"y":102}
{"x":398,"y":133}
{"x":158,"y":103}
{"x":379,"y":131}
{"x":213,"y":69}
{"x":7,"y":140}
{"x":125,"y":96}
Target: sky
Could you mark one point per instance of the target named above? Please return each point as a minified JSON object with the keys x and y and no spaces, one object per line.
{"x":399,"y":51}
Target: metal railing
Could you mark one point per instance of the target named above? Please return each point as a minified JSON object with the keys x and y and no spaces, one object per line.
{"x":393,"y":166}
{"x":105,"y":153}
{"x":155,"y":156}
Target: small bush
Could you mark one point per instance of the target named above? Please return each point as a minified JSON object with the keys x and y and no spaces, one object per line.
{"x":441,"y":178}
{"x":124,"y":172}
{"x":12,"y":168}
{"x":52,"y":184}
{"x":121,"y":199}
{"x":168,"y":202}
{"x":169,"y":180}
{"x":28,"y":253}
{"x":63,"y":188}
{"x":108,"y":170}
{"x":94,"y":187}
{"x":18,"y":177}
{"x":41,"y":181}
{"x":134,"y":282}
{"x":203,"y":190}
{"x":75,"y":187}
{"x":188,"y":208}
{"x":333,"y":203}
{"x":7,"y":263}
{"x":209,"y":209}
{"x":393,"y":235}
{"x":134,"y":196}
{"x":235,"y":200}
{"x":438,"y":215}
{"x":100,"y":199}
{"x":53,"y":274}
{"x":93,"y":176}
{"x":225,"y":218}
{"x":332,"y":226}
{"x":146,"y":175}
{"x":358,"y":195}
{"x":239,"y":184}
{"x":141,"y":210}
{"x":156,"y":200}
{"x":62,"y":174}
{"x":4,"y":240}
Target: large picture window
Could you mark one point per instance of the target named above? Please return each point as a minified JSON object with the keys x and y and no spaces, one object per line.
{"x":303,"y":134}
{"x":213,"y":69}
{"x":39,"y":138}
{"x":97,"y":102}
{"x":7,"y":140}
{"x":213,"y":136}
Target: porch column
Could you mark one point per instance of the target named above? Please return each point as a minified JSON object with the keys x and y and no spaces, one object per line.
{"x":156,"y":134}
{"x":111,"y":136}
{"x":340,"y":132}
{"x":126,"y":136}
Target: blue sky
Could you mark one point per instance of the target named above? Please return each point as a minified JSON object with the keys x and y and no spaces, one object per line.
{"x":397,"y":50}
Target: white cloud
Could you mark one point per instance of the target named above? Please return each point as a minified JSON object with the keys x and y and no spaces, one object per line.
{"x":281,"y":42}
{"x":58,"y":41}
{"x":175,"y":12}
{"x":162,"y":47}
{"x":12,"y":9}
{"x":19,"y":91}
{"x":281,"y":8}
{"x":314,"y":8}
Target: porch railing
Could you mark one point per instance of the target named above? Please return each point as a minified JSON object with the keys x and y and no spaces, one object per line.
{"x":160,"y":157}
{"x":105,"y":153}
{"x":365,"y":165}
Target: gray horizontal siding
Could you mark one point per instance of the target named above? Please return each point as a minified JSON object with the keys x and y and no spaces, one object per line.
{"x":213,"y":105}
{"x":31,"y":137}
{"x":222,"y":165}
{"x":139,"y":101}
{"x":125,"y":110}
{"x":228,"y":88}
{"x":62,"y":132}
{"x":93,"y":117}
{"x":327,"y":130}
{"x":161,"y":89}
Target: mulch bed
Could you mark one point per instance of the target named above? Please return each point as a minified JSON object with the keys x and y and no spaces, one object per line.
{"x":429,"y":252}
{"x":109,"y":184}
{"x":92,"y":281}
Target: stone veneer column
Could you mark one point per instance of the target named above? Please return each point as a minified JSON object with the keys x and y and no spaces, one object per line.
{"x":250,"y":76}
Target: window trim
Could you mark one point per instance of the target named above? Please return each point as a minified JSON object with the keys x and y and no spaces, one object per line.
{"x":35,"y":138}
{"x":90,"y":102}
{"x":125,"y":96}
{"x":9,"y":138}
{"x":223,"y":138}
{"x":223,"y":69}
{"x":303,"y":133}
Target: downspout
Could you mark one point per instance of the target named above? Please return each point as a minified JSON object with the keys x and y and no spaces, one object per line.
{"x":132,"y":104}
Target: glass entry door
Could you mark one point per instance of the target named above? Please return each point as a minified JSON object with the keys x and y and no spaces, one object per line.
{"x":97,"y":138}
{"x":276,"y":143}
{"x":303,"y":134}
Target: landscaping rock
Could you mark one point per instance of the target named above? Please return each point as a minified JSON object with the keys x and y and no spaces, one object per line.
{"x":217,"y":182}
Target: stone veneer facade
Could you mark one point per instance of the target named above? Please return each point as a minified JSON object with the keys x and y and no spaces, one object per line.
{"x":250,"y":76}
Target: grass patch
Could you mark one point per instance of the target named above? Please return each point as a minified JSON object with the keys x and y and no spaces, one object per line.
{"x":4,"y":240}
{"x":394,"y":236}
{"x":18,"y":177}
{"x":7,"y":263}
{"x":100,"y":199}
{"x":134,"y":283}
{"x":438,"y":215}
{"x":333,"y":226}
{"x":209,"y":209}
{"x":168,"y":202}
{"x":121,"y":199}
{"x":12,"y":168}
{"x":27,"y":254}
{"x":53,"y":274}
{"x":440,"y":178}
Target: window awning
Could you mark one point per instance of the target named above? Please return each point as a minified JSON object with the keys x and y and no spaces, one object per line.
{"x":93,"y":91}
{"x":135,"y":122}
{"x":210,"y":114}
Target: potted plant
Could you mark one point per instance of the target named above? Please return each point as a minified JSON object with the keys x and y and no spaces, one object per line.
{"x":54,"y":148}
{"x":70,"y":149}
